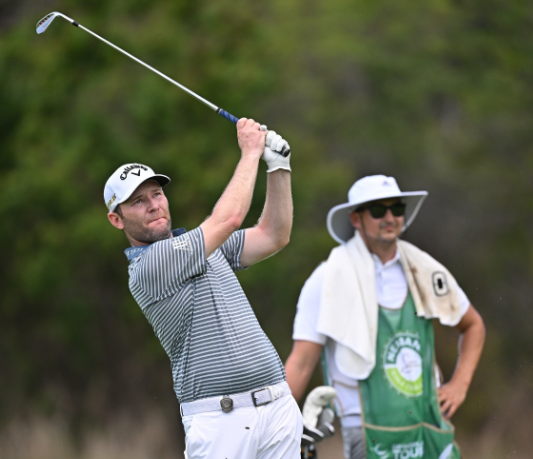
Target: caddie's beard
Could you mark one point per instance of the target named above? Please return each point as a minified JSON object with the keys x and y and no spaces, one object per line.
{"x":140,"y":233}
{"x":380,"y":240}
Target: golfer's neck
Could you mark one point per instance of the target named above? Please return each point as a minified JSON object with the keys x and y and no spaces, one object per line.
{"x":135,"y":243}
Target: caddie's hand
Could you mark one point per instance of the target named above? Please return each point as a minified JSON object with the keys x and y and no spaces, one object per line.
{"x":274,"y":145}
{"x":451,"y":396}
{"x":251,"y":138}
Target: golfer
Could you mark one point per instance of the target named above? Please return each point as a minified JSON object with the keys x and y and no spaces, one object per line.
{"x":369,"y":308}
{"x":235,"y":401}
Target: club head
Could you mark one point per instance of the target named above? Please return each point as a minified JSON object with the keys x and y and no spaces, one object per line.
{"x":326,"y":416}
{"x":43,"y":24}
{"x":313,"y":433}
{"x":327,"y":429}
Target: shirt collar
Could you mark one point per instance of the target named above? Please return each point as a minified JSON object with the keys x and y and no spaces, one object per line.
{"x":380,"y":266}
{"x":134,"y":252}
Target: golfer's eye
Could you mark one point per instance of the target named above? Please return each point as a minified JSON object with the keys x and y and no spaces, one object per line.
{"x":138,"y":201}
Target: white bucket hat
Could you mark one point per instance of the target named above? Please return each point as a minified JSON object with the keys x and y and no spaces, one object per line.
{"x":125,"y":180}
{"x":367,"y":189}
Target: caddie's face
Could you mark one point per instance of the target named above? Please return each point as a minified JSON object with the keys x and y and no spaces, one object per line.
{"x":145,"y":217}
{"x":378,"y":230}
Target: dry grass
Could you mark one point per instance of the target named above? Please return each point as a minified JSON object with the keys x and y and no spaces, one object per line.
{"x":41,"y":438}
{"x":507,"y":434}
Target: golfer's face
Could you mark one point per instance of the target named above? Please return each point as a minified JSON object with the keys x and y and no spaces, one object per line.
{"x":146,"y":217}
{"x":384,"y":229}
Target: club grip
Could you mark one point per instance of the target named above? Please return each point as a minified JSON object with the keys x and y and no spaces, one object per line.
{"x":227,"y":115}
{"x":284,"y":152}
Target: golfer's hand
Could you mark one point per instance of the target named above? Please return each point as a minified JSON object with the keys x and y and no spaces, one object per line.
{"x":251,"y":138}
{"x":451,"y":396}
{"x":274,"y":146}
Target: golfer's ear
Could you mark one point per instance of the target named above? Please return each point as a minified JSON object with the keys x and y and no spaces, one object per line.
{"x":115,"y":220}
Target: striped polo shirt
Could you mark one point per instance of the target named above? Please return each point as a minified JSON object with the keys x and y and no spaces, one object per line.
{"x":202,"y":317}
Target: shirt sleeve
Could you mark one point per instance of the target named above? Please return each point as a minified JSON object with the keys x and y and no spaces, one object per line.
{"x":306,"y":320}
{"x":465,"y":302}
{"x":232,"y":249}
{"x":168,"y":264}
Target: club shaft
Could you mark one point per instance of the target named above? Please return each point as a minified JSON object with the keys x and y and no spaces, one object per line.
{"x":46,"y":21}
{"x":187,"y":90}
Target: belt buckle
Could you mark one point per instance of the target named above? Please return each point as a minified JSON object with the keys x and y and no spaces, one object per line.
{"x":254,"y":399}
{"x":226,"y":404}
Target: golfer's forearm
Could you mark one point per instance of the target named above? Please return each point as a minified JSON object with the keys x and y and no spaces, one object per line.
{"x":234,"y":203}
{"x":276,"y":220}
{"x":470,"y":348}
{"x":232,"y":206}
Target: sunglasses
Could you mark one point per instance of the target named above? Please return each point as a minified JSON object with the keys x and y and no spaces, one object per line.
{"x":379,"y":210}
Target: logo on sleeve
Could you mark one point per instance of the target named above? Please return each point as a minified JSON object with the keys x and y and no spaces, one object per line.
{"x":179,"y":243}
{"x":402,"y":363}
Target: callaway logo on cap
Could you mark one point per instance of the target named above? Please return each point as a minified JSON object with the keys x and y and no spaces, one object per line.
{"x":125,"y":180}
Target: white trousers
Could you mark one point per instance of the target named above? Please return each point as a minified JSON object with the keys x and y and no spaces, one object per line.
{"x":272,"y":431}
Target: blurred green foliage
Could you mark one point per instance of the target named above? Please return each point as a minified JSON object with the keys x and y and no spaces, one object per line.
{"x":436,"y":93}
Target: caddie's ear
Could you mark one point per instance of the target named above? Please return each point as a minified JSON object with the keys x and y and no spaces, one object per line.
{"x":355,"y":218}
{"x":115,"y":220}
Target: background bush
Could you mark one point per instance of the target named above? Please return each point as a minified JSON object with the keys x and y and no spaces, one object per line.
{"x":436,"y":93}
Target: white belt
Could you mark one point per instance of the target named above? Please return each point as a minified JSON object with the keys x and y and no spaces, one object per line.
{"x":227,"y":403}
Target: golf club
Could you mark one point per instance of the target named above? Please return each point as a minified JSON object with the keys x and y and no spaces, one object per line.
{"x":45,"y":22}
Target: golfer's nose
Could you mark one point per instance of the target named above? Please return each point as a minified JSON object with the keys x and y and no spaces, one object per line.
{"x":152,"y":205}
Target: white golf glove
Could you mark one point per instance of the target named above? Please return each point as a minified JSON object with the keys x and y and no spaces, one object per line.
{"x":273,"y":145}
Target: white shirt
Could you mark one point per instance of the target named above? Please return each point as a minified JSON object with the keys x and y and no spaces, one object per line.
{"x":391,"y":286}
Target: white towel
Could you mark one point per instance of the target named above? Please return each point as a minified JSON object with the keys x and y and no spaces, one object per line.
{"x":349,"y":310}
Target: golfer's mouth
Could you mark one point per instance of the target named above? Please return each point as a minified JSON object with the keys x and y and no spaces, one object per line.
{"x":157,"y":220}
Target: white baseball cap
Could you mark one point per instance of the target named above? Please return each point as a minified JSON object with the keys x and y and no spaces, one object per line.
{"x":367,"y":189}
{"x":125,"y":180}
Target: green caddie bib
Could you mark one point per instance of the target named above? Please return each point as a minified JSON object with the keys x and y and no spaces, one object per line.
{"x":400,"y":411}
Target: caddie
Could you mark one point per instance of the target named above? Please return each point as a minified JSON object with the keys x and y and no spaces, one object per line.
{"x":368,"y":309}
{"x":235,"y":401}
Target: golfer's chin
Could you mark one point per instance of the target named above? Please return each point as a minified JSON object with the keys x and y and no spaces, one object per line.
{"x":159,"y":229}
{"x":159,"y":234}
